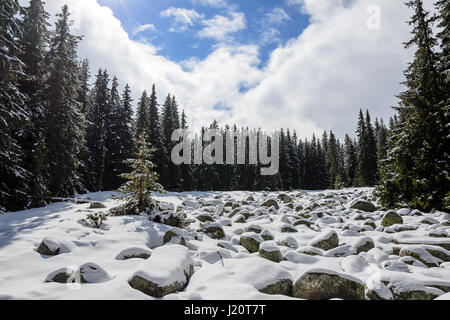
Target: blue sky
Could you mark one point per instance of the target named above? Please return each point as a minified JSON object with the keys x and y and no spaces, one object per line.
{"x":268,"y":24}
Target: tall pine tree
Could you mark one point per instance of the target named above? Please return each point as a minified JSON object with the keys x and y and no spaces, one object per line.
{"x":416,"y":171}
{"x":64,"y":121}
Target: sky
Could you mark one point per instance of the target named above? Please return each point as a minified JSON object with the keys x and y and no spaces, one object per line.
{"x":307,"y":65}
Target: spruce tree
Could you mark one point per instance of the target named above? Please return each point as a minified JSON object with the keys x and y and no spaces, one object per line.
{"x":113,"y":143}
{"x":161,"y":157}
{"x":141,"y":125}
{"x":333,"y":160}
{"x":350,"y":160}
{"x":13,"y":113}
{"x":34,"y":46}
{"x":98,"y":130}
{"x":64,"y":121}
{"x":443,"y":7}
{"x":367,"y":152}
{"x":416,"y":170}
{"x":125,"y":129}
{"x":84,"y":100}
{"x":371,"y":153}
{"x":285,"y":162}
{"x":169,"y":123}
{"x":187,"y":174}
{"x":143,"y":180}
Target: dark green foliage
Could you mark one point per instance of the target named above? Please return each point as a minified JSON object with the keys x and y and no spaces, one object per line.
{"x":416,"y":170}
{"x":161,"y":156}
{"x":98,"y":131}
{"x":143,"y":180}
{"x":64,"y":121}
{"x":13,"y":113}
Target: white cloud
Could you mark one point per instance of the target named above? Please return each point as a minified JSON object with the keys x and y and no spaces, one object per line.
{"x":211,"y":3}
{"x":220,"y":27}
{"x":183,"y":18}
{"x":144,"y":27}
{"x":276,"y":17}
{"x":270,"y":23}
{"x":317,"y":81}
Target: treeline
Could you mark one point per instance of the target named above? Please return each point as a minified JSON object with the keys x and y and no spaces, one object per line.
{"x":59,"y":135}
{"x":314,"y":164}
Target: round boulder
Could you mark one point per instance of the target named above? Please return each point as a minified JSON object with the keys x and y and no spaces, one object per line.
{"x":390,"y":218}
{"x":321,"y":284}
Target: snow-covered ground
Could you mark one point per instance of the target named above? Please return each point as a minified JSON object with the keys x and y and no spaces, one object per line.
{"x":276,"y":245}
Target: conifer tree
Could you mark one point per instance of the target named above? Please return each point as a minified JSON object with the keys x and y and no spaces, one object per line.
{"x":295,"y":161}
{"x":285,"y":162}
{"x":187,"y":174}
{"x":143,"y":180}
{"x":113,"y":144}
{"x":170,"y":122}
{"x":84,"y":100}
{"x":142,"y":116}
{"x":64,"y":121}
{"x":161,"y":157}
{"x":99,"y":117}
{"x":350,"y":160}
{"x":367,"y":152}
{"x":34,"y":46}
{"x":416,"y":170}
{"x":13,"y":113}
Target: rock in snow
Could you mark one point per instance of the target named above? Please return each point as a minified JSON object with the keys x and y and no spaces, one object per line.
{"x":326,"y":240}
{"x":322,"y":284}
{"x":167,"y":271}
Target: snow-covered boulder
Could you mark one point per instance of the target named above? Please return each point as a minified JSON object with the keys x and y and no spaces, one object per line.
{"x":134,"y":253}
{"x":238,"y":219}
{"x":191,"y":204}
{"x":299,"y":258}
{"x":391,"y":218}
{"x":393,"y":265}
{"x":52,"y":247}
{"x":270,"y":251}
{"x":93,"y":273}
{"x":341,"y":251}
{"x":204,"y":217}
{"x":401,"y":286}
{"x":288,"y":241}
{"x":86,"y":273}
{"x":251,"y":241}
{"x":267,"y":235}
{"x":97,"y":205}
{"x":167,"y":271}
{"x":174,"y":236}
{"x":428,"y":220}
{"x":420,"y":254}
{"x":213,"y":230}
{"x":363,"y":205}
{"x":287,"y":228}
{"x":267,"y":277}
{"x":63,"y":275}
{"x":322,"y":284}
{"x":311,"y":251}
{"x":326,"y":240}
{"x":354,"y":264}
{"x":363,"y":244}
{"x":254,"y":228}
{"x":214,"y":255}
{"x":271,"y":202}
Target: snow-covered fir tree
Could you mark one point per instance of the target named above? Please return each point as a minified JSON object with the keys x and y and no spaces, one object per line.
{"x":64,"y":120}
